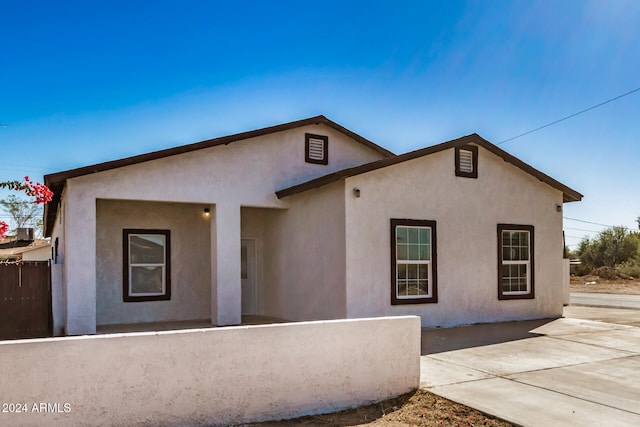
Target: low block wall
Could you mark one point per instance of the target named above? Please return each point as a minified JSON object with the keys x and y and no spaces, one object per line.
{"x":208,"y":376}
{"x":566,"y":281}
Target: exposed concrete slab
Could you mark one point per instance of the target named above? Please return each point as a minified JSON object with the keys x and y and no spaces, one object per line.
{"x":532,"y":406}
{"x":447,"y":339}
{"x":612,"y":383}
{"x":568,"y":372}
{"x":627,"y":340}
{"x":569,"y":326}
{"x":620,"y":316}
{"x":530,"y":354}
{"x":178,"y":325}
{"x":435,"y":373}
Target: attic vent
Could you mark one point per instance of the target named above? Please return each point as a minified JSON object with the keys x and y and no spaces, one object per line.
{"x":316,"y":149}
{"x":467,"y":161}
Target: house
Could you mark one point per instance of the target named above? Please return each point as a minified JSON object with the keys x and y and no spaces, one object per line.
{"x":305,"y":221}
{"x":23,"y":247}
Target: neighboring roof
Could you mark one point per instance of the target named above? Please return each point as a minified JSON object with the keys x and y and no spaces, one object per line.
{"x":13,"y":249}
{"x":56,"y":181}
{"x":569,"y":195}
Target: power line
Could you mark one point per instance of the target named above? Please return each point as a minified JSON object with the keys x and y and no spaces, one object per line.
{"x":572,"y":115}
{"x":587,"y":222}
{"x":581,"y":229}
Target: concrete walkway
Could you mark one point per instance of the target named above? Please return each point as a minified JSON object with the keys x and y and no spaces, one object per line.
{"x":563,"y":372}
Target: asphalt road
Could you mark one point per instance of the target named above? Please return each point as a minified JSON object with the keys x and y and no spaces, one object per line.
{"x":605,"y":300}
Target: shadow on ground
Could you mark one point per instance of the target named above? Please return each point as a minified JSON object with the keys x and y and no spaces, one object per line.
{"x":447,"y":339}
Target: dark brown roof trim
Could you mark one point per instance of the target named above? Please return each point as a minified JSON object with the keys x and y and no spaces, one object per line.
{"x":569,"y":195}
{"x":56,"y":181}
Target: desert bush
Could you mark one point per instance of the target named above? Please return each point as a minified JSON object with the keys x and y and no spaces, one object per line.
{"x":630,"y":267}
{"x":611,"y":247}
{"x":606,"y":273}
{"x":580,"y":269}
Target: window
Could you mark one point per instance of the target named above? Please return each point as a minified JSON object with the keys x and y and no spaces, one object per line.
{"x":413,"y":262}
{"x":146,"y":266}
{"x":467,"y":161}
{"x":316,"y":149}
{"x":515,"y":261}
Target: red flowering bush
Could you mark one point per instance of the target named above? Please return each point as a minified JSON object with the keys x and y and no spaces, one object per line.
{"x":39,"y":192}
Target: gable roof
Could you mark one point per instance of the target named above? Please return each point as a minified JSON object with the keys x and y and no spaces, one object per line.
{"x":56,"y":181}
{"x":568,"y":194}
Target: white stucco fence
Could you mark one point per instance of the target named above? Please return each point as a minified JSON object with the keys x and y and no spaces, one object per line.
{"x":566,"y":281}
{"x":208,"y":376}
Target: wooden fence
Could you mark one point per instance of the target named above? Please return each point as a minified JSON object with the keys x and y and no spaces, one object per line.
{"x":25,"y":299}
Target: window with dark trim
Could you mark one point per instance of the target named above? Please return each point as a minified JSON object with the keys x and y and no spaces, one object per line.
{"x":316,"y":149}
{"x":146,"y":265}
{"x":467,"y":161}
{"x":414,"y":274}
{"x":515,"y":261}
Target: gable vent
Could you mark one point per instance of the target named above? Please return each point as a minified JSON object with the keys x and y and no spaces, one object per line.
{"x":316,"y":149}
{"x":466,"y":161}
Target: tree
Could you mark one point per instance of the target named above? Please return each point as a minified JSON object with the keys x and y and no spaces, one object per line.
{"x":22,"y":212}
{"x":39,"y":192}
{"x":611,"y":247}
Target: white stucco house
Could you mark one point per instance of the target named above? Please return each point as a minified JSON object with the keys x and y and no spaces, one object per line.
{"x":305,"y":221}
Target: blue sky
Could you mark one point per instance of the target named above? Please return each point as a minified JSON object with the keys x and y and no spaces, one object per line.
{"x":84,"y":82}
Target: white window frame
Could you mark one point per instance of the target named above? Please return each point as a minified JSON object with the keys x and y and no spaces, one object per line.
{"x":128,"y":293}
{"x":431,"y":295}
{"x":528,"y":263}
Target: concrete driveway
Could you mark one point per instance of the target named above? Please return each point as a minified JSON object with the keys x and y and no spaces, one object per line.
{"x":563,"y":372}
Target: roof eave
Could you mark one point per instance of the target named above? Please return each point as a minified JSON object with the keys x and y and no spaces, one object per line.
{"x":568,"y":194}
{"x":57,"y":181}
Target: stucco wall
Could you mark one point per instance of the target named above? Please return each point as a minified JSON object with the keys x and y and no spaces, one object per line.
{"x":244,"y":173}
{"x":58,"y":306}
{"x":305,"y":272}
{"x":213,"y":376}
{"x":467,"y":212}
{"x":58,"y":288}
{"x":40,"y":254}
{"x":566,"y":281}
{"x":190,"y":261}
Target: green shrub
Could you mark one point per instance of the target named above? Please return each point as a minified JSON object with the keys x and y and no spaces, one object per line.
{"x":630,"y":267}
{"x":580,"y":269}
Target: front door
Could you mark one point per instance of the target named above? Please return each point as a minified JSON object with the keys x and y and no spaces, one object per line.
{"x":248,"y":276}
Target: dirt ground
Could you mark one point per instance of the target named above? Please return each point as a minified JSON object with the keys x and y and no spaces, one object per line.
{"x":596,"y":285}
{"x":414,"y":409}
{"x":426,"y":409}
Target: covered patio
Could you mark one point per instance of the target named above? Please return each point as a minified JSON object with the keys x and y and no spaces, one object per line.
{"x":247,"y":320}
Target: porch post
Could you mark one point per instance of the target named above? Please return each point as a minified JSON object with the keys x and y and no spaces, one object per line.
{"x":79,"y":271}
{"x":226,"y":303}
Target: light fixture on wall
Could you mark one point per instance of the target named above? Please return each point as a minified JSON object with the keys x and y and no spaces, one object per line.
{"x":558,"y":208}
{"x":356,"y":192}
{"x":207,"y":212}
